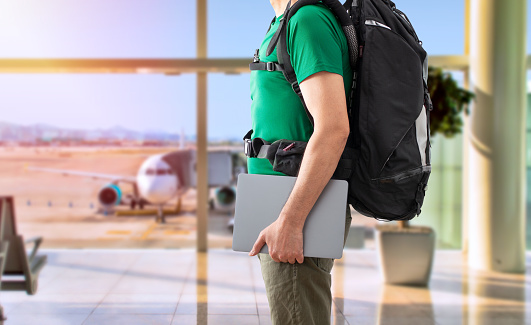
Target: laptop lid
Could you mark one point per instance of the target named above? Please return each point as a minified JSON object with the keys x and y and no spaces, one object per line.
{"x":260,"y":199}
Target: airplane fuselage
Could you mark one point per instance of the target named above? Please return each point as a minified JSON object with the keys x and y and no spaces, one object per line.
{"x":157,"y":182}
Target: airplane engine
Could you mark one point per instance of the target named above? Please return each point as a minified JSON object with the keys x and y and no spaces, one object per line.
{"x":110,"y":195}
{"x":224,"y":198}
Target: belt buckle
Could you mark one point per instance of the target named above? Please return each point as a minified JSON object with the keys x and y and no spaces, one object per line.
{"x":270,"y":66}
{"x":247,"y":147}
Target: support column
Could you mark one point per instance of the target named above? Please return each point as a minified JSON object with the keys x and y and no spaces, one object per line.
{"x":466,"y":85}
{"x":202,"y":155}
{"x":496,"y":136}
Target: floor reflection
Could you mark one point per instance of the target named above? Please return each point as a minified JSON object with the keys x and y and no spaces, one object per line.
{"x":202,"y":288}
{"x":456,"y":294}
{"x":496,"y":296}
{"x":223,"y":287}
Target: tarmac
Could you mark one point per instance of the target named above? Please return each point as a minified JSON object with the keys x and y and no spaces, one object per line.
{"x":65,"y":212}
{"x":64,"y":209}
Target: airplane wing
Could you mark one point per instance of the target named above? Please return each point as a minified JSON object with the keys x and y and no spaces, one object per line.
{"x":231,"y":149}
{"x":120,"y":178}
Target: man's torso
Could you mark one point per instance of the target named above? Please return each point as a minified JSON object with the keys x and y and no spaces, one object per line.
{"x":315,"y":43}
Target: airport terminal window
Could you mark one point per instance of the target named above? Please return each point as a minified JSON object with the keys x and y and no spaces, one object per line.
{"x":145,"y":115}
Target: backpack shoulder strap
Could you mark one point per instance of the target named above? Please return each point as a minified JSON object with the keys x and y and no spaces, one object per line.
{"x":279,"y":40}
{"x":288,"y":71}
{"x":271,"y":23}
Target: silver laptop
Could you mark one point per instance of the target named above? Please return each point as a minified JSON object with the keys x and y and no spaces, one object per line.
{"x":260,"y":198}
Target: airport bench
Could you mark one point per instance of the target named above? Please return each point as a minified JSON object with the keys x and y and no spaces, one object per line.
{"x":17,"y":262}
{"x":3,"y":254}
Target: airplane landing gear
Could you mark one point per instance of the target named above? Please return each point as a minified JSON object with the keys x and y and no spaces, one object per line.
{"x":160,"y":216}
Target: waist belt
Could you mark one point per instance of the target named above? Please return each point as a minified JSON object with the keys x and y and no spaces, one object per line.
{"x":258,"y":147}
{"x":286,"y":155}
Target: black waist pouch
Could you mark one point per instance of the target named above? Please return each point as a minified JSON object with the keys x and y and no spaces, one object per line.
{"x":288,"y":156}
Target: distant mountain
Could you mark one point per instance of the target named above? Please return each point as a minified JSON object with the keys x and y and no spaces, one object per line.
{"x":45,"y":132}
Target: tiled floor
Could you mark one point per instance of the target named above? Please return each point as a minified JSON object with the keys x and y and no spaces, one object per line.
{"x":222,"y":287}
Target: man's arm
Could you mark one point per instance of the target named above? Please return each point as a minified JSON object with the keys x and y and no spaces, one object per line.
{"x":324,"y":95}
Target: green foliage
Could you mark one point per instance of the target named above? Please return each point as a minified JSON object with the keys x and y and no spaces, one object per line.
{"x":449,"y":101}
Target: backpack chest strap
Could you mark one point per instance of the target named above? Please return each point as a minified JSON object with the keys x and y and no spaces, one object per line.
{"x":267,"y":66}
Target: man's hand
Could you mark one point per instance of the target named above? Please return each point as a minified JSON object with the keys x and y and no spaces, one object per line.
{"x":283,"y":240}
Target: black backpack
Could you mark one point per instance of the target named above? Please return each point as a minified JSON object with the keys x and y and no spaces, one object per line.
{"x":387,"y":156}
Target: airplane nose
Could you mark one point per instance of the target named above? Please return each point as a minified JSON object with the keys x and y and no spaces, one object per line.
{"x":159,"y":192}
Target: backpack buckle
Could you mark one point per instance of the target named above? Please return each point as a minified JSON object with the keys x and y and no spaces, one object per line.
{"x":247,"y":148}
{"x":296,"y":88}
{"x":270,"y":66}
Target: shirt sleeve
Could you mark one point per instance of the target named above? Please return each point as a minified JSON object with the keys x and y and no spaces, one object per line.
{"x":313,"y":43}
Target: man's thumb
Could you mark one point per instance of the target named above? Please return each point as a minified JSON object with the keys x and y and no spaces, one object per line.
{"x":257,"y":245}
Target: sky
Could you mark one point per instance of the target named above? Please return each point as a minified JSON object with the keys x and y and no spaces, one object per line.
{"x":155,"y":29}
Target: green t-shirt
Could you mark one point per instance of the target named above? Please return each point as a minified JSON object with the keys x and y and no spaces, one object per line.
{"x":315,"y":43}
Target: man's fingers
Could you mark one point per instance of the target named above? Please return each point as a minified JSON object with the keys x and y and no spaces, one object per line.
{"x":292,"y":260}
{"x":274,"y":256}
{"x":260,"y":242}
{"x":300,"y":258}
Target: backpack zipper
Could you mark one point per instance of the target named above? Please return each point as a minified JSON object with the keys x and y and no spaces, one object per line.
{"x":373,"y":22}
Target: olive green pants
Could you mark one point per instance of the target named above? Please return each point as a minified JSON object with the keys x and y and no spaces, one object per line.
{"x":300,"y":293}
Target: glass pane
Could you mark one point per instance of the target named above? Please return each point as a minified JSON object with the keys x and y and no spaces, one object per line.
{"x":442,"y":208}
{"x":236,"y":30}
{"x":100,"y":130}
{"x":153,"y":103}
{"x":229,"y":107}
{"x":229,"y":118}
{"x":84,"y":29}
{"x":439,"y":25}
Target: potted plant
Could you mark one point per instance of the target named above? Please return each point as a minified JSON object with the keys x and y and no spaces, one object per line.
{"x":406,"y":252}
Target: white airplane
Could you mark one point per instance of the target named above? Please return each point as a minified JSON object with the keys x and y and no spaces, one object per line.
{"x":163,"y":177}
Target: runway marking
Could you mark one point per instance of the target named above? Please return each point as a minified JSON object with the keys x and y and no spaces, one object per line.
{"x":176,"y":232}
{"x":118,"y":232}
{"x":148,"y":231}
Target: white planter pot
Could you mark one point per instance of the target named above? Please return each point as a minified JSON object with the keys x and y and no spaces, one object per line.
{"x":356,"y":237}
{"x":405,"y":256}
